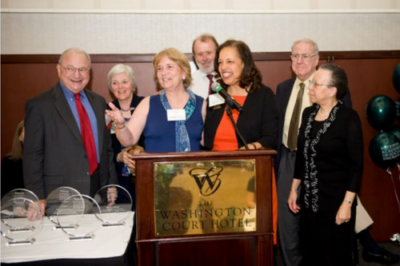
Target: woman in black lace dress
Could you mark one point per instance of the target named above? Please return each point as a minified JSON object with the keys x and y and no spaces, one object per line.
{"x":329,"y":169}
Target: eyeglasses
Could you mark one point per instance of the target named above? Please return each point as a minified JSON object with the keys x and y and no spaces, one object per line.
{"x":315,"y":84}
{"x":71,"y":70}
{"x":305,"y":57}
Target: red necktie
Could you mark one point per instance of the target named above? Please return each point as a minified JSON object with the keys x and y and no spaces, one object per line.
{"x":210,"y":77}
{"x":87,"y":134}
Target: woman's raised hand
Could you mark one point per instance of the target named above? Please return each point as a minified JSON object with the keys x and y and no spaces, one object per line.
{"x":115,"y":115}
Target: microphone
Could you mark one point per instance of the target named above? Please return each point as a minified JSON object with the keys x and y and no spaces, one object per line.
{"x":232,"y":102}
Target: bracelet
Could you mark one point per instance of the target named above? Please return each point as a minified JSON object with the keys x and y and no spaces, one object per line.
{"x":294,"y":190}
{"x":117,"y":127}
{"x":347,"y":201}
{"x":254,"y":145}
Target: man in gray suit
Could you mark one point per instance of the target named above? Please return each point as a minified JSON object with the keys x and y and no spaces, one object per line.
{"x":55,"y":153}
{"x":305,"y":59}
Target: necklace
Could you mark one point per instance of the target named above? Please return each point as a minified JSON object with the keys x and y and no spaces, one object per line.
{"x":321,"y":112}
{"x":127,"y":110}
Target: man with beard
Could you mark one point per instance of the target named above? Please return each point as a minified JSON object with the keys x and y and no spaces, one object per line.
{"x":204,"y":48}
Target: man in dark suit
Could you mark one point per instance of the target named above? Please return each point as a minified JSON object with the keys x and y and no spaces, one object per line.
{"x":305,"y":58}
{"x":55,"y":152}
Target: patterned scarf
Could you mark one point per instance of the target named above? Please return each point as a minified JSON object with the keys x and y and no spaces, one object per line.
{"x":310,"y":176}
{"x":182,"y":139}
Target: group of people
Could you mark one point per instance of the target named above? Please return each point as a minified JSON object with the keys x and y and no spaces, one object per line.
{"x":69,"y":141}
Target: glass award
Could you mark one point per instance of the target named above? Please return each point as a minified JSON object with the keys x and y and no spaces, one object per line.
{"x":21,"y":219}
{"x":54,"y":201}
{"x":72,"y":211}
{"x":115,"y":203}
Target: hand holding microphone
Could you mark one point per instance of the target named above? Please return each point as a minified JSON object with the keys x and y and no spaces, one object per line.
{"x":232,"y":102}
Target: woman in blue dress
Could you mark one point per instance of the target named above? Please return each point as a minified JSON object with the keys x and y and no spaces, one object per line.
{"x":171,"y":121}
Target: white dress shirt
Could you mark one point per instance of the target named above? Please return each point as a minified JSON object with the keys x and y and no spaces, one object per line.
{"x":200,"y":83}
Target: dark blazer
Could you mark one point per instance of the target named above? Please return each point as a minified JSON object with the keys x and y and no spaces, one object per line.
{"x":54,"y":154}
{"x":283,"y":93}
{"x":256,"y":123}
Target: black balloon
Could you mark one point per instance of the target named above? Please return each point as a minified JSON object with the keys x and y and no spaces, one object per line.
{"x":381,"y":112}
{"x":384,"y":149}
{"x":396,"y":78}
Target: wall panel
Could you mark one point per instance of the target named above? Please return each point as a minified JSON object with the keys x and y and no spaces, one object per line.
{"x":137,"y":33}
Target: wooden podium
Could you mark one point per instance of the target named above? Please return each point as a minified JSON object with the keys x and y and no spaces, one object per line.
{"x":235,"y":247}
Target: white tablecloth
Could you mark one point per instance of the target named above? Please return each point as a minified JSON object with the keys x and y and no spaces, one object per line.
{"x":55,"y":244}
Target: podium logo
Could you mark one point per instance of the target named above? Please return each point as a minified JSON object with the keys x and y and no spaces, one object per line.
{"x":207,"y":179}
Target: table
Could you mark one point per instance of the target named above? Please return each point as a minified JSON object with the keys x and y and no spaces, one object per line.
{"x":54,"y":247}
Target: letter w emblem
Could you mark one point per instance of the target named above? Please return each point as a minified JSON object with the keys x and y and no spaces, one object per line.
{"x":207,"y":179}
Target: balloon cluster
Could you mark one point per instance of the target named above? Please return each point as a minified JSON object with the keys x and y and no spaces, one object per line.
{"x":381,"y":112}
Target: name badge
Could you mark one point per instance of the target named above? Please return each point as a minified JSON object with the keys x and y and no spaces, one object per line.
{"x":176,"y":114}
{"x":215,"y":99}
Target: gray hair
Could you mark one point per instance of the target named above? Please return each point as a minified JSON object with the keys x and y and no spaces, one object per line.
{"x":75,"y":50}
{"x":309,"y":41}
{"x":119,"y":69}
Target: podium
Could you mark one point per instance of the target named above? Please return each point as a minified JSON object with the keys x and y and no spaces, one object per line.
{"x":204,"y":208}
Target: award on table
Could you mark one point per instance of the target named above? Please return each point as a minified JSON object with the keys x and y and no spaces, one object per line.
{"x":80,"y":210}
{"x":54,"y":201}
{"x":115,"y":203}
{"x":21,"y":219}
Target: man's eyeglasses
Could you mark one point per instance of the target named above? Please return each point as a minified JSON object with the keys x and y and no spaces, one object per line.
{"x":305,"y":57}
{"x":315,"y":84}
{"x":71,"y":70}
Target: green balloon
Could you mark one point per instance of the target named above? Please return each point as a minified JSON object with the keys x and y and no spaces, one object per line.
{"x":384,"y":150}
{"x":381,"y":112}
{"x":398,"y":109}
{"x":396,"y":131}
{"x":396,"y":78}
